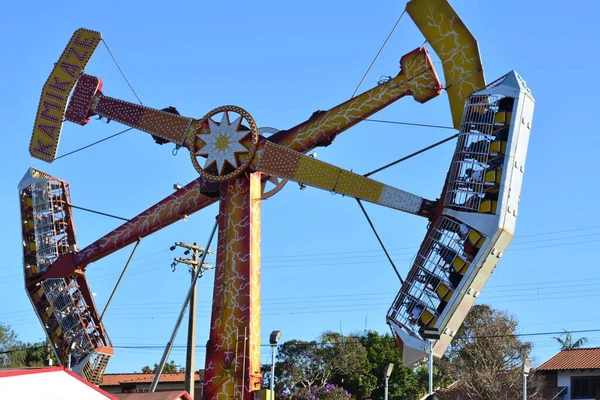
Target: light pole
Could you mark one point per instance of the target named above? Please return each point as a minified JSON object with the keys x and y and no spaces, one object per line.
{"x":387,"y":372}
{"x":525,"y":369}
{"x":431,"y":335}
{"x":273,"y":340}
{"x":69,"y":356}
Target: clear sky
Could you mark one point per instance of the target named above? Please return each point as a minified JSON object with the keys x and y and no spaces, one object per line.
{"x":322,"y":266}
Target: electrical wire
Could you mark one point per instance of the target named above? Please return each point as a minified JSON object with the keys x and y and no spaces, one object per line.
{"x":183,"y":346}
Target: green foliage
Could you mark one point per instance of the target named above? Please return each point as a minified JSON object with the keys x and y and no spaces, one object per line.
{"x":440,"y":377}
{"x":568,"y":344}
{"x":8,"y":342}
{"x":381,"y":351}
{"x":170,"y":368}
{"x":303,"y":367}
{"x":16,"y":354}
{"x":337,"y":365}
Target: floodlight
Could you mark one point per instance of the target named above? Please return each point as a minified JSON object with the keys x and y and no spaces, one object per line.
{"x":388,"y":370}
{"x":526,"y":367}
{"x":275,"y":336}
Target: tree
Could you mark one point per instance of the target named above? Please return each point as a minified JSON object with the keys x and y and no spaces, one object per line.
{"x":440,"y":377}
{"x":16,"y":354}
{"x":327,"y":392}
{"x":170,"y":368}
{"x":8,"y":344}
{"x":369,"y":382}
{"x":307,"y":369}
{"x":486,"y":356}
{"x":32,"y":355}
{"x":568,"y":344}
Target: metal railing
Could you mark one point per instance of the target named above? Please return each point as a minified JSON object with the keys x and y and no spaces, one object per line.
{"x":437,"y":270}
{"x":479,"y":150}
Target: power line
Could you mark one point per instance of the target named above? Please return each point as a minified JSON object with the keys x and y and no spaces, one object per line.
{"x":535,"y":334}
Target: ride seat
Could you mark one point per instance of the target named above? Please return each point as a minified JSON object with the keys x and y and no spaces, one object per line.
{"x":488,"y":206}
{"x":503,"y":118}
{"x":444,"y":292}
{"x":428,"y":318}
{"x":37,"y":295}
{"x":460,"y":265}
{"x":493,"y":177}
{"x":498,"y":147}
{"x":476,"y":238}
{"x":58,"y":331}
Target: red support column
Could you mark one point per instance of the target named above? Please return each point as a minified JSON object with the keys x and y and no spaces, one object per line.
{"x":233,"y":351}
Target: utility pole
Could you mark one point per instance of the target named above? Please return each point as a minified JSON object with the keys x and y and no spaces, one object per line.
{"x":48,"y":358}
{"x":190,"y":358}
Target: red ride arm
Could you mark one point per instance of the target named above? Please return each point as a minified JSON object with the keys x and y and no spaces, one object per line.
{"x":186,"y":201}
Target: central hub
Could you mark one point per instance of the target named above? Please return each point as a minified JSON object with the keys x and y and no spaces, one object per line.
{"x":222,"y":143}
{"x":227,"y":137}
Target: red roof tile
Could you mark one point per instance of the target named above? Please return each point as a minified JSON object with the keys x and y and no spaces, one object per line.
{"x":547,"y":391}
{"x":573,"y":359}
{"x":452,"y":392}
{"x":169,"y":395}
{"x":118,"y":379}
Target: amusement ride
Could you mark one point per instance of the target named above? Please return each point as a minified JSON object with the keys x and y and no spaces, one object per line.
{"x":469,"y":228}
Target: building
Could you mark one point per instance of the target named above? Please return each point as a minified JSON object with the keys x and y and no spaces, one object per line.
{"x":568,"y":375}
{"x":548,"y":390}
{"x":140,"y":383}
{"x":48,"y":383}
{"x":577,"y":371}
{"x":168,"y":395}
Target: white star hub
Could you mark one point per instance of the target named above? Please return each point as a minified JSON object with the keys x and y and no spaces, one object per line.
{"x":220,"y":143}
{"x":223,"y":142}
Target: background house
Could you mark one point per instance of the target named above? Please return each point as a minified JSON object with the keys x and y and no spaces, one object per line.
{"x":568,"y":375}
{"x":549,"y":390}
{"x":140,"y":383}
{"x":578,"y":371}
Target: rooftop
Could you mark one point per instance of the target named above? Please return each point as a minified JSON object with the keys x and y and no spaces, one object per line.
{"x":548,"y":390}
{"x":172,"y":395}
{"x":573,"y":359}
{"x":118,"y":379}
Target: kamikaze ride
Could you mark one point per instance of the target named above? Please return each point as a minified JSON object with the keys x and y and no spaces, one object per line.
{"x":470,"y":225}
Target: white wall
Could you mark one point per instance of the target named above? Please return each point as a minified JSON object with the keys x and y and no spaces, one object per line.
{"x":53,"y":385}
{"x":564,"y":379}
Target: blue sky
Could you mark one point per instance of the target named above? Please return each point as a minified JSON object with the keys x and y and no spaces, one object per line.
{"x":281,"y":61}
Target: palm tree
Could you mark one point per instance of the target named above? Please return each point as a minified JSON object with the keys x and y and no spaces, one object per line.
{"x":568,"y":344}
